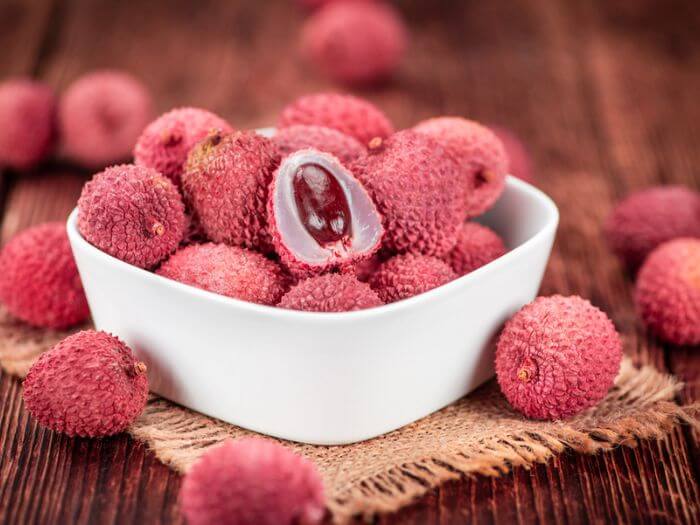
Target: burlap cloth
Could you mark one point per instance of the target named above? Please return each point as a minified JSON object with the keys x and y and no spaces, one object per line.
{"x":479,"y":434}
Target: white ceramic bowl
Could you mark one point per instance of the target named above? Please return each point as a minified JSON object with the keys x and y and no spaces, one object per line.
{"x":326,"y":378}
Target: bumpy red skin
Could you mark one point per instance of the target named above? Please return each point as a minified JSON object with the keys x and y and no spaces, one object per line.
{"x":133,"y":213}
{"x":417,"y":188}
{"x":407,"y":275}
{"x":480,"y":154}
{"x":166,"y":141}
{"x":226,"y":181}
{"x":228,"y":270}
{"x":476,"y":246}
{"x":88,"y":385}
{"x":295,"y":138}
{"x":519,"y":161}
{"x":667,"y":293}
{"x":252,"y":481}
{"x":39,"y":282}
{"x":355,"y":43}
{"x":332,"y":292}
{"x":557,"y":357}
{"x":101,"y":115}
{"x":351,"y":115}
{"x":650,"y":217}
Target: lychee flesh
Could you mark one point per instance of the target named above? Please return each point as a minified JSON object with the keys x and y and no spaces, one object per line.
{"x":28,"y":117}
{"x":227,"y":270}
{"x":39,"y":281}
{"x":650,"y":217}
{"x":476,"y":246}
{"x":294,"y":138}
{"x":557,"y":357}
{"x":519,"y":160}
{"x":348,"y":114}
{"x":252,"y":481}
{"x":88,"y":385}
{"x":132,"y":213}
{"x":166,"y":142}
{"x":667,"y":293}
{"x":407,"y":275}
{"x":332,"y":292}
{"x":101,"y":115}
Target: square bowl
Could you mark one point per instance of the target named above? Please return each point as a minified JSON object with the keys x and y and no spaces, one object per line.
{"x":323,"y":378}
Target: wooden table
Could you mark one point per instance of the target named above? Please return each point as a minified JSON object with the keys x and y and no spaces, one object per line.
{"x":607,"y":95}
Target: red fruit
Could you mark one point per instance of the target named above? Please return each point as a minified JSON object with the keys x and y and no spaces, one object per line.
{"x":27,"y":123}
{"x":353,"y":116}
{"x":332,"y":292}
{"x":557,"y":357}
{"x":166,"y":141}
{"x":480,"y":154}
{"x":101,"y":115}
{"x":650,"y":217}
{"x":88,"y":385}
{"x":315,"y":4}
{"x":294,"y":138}
{"x":133,"y":213}
{"x":404,"y":276}
{"x":519,"y":161}
{"x":667,"y":293}
{"x":476,"y":246}
{"x":39,"y":282}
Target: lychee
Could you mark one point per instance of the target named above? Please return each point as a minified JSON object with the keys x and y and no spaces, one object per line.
{"x":27,"y":123}
{"x":667,"y":293}
{"x":320,"y":216}
{"x":166,"y":141}
{"x":133,"y":213}
{"x":39,"y":282}
{"x":404,"y":276}
{"x":650,"y":217}
{"x":252,"y":481}
{"x":227,"y":270}
{"x":88,"y":385}
{"x":480,"y":154}
{"x":315,"y":4}
{"x":476,"y":246}
{"x":417,"y":188}
{"x":557,"y":356}
{"x":355,"y":43}
{"x":101,"y":115}
{"x":351,"y":115}
{"x":332,"y":292}
{"x":226,"y":182}
{"x":519,"y":160}
{"x":294,"y":138}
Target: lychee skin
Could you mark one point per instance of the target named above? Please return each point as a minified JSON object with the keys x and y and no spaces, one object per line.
{"x":227,"y":270}
{"x":404,"y":276}
{"x":295,"y":138}
{"x":557,"y":357}
{"x":650,"y":217}
{"x":132,"y":213}
{"x":39,"y":282}
{"x":101,"y":115}
{"x":476,"y":246}
{"x":166,"y":142}
{"x":667,"y":293}
{"x":332,"y":292}
{"x":355,"y":43}
{"x":519,"y":160}
{"x":480,"y":154}
{"x":88,"y":385}
{"x":252,"y":481}
{"x":351,"y":115}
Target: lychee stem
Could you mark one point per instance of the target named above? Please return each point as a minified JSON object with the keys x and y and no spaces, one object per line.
{"x":140,"y":367}
{"x":375,"y":143}
{"x":527,"y":370}
{"x":158,"y":228}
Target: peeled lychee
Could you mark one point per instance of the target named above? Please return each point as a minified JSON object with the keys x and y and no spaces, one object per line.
{"x":294,"y":138}
{"x":355,"y":43}
{"x":650,"y":217}
{"x":667,"y":292}
{"x":227,"y":270}
{"x":417,"y":188}
{"x":557,"y":356}
{"x":39,"y":282}
{"x":226,"y":182}
{"x":166,"y":141}
{"x":476,"y":246}
{"x":404,"y":276}
{"x":88,"y":385}
{"x":101,"y":115}
{"x":252,"y":481}
{"x":480,"y":154}
{"x":351,"y":115}
{"x":332,"y":292}
{"x":133,"y":213}
{"x":519,"y":161}
{"x":27,"y":123}
{"x":320,"y":216}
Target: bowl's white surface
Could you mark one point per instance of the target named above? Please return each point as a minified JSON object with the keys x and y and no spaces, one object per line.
{"x":323,"y":378}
